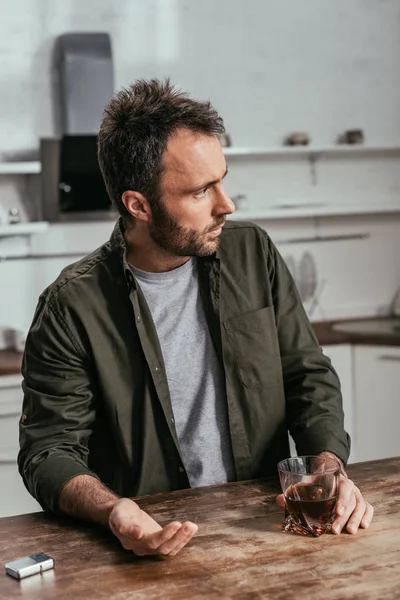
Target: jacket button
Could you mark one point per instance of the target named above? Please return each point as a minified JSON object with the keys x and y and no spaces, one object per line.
{"x":181,"y":469}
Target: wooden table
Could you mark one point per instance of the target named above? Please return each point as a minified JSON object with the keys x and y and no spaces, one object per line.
{"x":240,"y":550}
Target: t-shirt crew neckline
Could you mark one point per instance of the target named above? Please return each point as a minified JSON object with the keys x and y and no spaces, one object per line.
{"x":164,"y":275}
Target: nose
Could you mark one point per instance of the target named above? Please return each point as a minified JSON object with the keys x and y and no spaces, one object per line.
{"x":223,"y":205}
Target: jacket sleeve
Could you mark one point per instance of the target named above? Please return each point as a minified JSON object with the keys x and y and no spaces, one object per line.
{"x":312,"y":388}
{"x":58,"y":407}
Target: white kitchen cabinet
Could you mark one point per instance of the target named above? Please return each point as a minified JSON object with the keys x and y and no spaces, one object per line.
{"x":341,"y":356}
{"x":14,"y":498}
{"x":377,"y":401}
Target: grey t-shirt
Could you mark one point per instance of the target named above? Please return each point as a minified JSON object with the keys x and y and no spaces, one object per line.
{"x":195,"y":378}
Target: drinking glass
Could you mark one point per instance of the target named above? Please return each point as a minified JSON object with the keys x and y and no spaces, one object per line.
{"x":310,"y":485}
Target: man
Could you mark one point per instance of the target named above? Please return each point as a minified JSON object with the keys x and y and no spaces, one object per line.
{"x":178,"y":354}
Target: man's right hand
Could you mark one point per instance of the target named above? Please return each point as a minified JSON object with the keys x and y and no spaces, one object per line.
{"x":138,"y":532}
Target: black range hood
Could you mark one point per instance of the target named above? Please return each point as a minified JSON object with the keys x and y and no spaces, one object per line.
{"x":83,"y":83}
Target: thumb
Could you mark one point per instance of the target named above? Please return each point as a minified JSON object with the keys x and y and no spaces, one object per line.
{"x":125,"y":519}
{"x":280,"y":500}
{"x":129,"y":530}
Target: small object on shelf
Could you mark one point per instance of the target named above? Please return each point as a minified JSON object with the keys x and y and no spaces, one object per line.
{"x":352,"y":136}
{"x":14,"y":216}
{"x":298,"y":138}
{"x":225,"y":140}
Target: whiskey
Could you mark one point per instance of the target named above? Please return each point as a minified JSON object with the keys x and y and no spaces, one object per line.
{"x":310,"y":508}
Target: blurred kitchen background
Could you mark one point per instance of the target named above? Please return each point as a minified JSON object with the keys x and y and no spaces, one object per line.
{"x":327,"y":71}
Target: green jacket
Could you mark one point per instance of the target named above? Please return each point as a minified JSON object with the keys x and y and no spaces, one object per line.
{"x":96,"y":396}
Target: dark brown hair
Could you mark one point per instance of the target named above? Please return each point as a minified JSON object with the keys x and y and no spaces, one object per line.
{"x":134,"y":132}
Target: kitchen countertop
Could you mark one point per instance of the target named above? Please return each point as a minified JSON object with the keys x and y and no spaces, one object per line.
{"x":10,"y":361}
{"x":240,"y":551}
{"x":327,"y":335}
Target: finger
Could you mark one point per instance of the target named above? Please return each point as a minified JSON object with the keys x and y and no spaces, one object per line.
{"x":355,"y":518}
{"x":130,"y":544}
{"x":147,"y":544}
{"x":177,"y":549}
{"x":367,"y":518}
{"x":341,"y":521}
{"x":346,"y":492}
{"x":179,"y":540}
{"x":280,"y":500}
{"x":151,"y":543}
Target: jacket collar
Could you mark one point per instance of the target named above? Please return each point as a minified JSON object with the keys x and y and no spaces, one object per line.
{"x":118,"y":245}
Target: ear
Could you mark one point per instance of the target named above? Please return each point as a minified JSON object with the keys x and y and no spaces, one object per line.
{"x":136,"y":204}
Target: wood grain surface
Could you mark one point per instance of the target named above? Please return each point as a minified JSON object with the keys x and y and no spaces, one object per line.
{"x":239,"y":552}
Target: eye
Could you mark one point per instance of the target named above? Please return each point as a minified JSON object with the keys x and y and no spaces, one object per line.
{"x":201,"y":193}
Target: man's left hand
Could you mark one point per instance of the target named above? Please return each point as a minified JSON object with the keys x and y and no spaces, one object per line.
{"x":351,"y":509}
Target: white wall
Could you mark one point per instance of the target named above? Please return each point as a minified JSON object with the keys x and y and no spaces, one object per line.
{"x":270,"y":67}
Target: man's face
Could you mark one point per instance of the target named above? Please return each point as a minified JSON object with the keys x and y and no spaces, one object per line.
{"x":193,"y":204}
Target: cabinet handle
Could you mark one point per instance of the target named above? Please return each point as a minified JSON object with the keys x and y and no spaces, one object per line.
{"x":325,"y":238}
{"x":389,"y":357}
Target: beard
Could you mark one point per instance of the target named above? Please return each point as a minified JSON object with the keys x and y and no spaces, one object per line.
{"x":167,"y":233}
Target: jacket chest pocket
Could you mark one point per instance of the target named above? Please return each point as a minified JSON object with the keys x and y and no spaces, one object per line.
{"x":254,"y":343}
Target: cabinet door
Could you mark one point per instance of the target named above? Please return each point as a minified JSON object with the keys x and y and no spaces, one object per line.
{"x":14,"y":498}
{"x":377,"y":401}
{"x":341,"y":356}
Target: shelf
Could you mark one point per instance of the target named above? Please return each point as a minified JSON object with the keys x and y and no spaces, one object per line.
{"x":303,"y":212}
{"x":310,"y":150}
{"x":35,"y":167}
{"x":20,"y":168}
{"x":23,"y":228}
